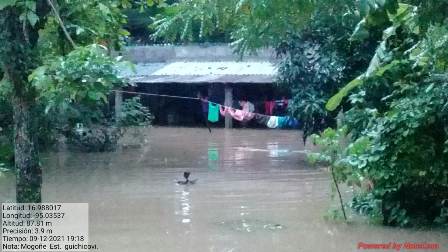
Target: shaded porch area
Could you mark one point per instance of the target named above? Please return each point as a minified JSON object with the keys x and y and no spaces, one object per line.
{"x":222,"y":82}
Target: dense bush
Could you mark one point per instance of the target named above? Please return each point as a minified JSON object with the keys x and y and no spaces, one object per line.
{"x":99,"y":138}
{"x":96,"y":138}
{"x":133,"y":113}
{"x":398,"y":121}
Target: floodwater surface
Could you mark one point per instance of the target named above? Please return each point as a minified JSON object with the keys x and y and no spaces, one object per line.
{"x":254,"y":192}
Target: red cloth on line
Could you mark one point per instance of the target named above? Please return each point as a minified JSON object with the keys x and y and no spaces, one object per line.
{"x":269,"y":107}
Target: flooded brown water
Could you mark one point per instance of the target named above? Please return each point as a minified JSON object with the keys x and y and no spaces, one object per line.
{"x":254,"y":192}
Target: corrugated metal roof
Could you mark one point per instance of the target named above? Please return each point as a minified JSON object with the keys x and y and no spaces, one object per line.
{"x":217,"y":68}
{"x":204,"y":72}
{"x":203,"y":79}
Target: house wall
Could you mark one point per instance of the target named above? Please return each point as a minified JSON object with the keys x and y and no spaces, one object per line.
{"x":206,"y":52}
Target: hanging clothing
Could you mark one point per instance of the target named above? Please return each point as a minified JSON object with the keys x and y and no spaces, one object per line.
{"x":293,"y":123}
{"x":251,"y":107}
{"x":247,"y":106}
{"x":269,"y":107}
{"x":241,"y":115}
{"x":213,"y":112}
{"x":261,"y":119}
{"x":236,"y":114}
{"x":204,"y":105}
{"x":283,"y":122}
{"x":248,"y":116}
{"x":273,"y":122}
{"x":223,"y":110}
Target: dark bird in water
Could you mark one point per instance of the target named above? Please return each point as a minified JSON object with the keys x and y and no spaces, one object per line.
{"x":187,"y":181}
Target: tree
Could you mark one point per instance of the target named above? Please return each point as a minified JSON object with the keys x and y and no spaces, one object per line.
{"x":318,"y":59}
{"x":249,"y":24}
{"x":34,"y":34}
{"x":18,"y":59}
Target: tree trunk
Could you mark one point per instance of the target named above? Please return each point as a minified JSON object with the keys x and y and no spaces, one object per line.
{"x":26,"y":157}
{"x":18,"y":57}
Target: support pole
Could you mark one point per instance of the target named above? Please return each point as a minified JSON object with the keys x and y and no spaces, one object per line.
{"x":210,"y":91}
{"x":228,"y":101}
{"x":118,"y":104}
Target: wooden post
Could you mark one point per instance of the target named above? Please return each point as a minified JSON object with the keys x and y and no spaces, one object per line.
{"x":210,"y":90}
{"x":228,"y":101}
{"x":118,"y":103}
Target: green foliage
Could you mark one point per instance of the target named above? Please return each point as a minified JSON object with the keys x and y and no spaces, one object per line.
{"x":140,"y":19}
{"x":74,"y":83}
{"x":407,"y":155}
{"x":405,"y":17}
{"x":31,"y":37}
{"x":66,"y":83}
{"x":6,"y":150}
{"x":87,"y":22}
{"x":45,"y":126}
{"x":97,"y":138}
{"x":250,"y":24}
{"x":133,"y":113}
{"x":367,"y":7}
{"x":330,"y":153}
{"x":196,"y":21}
{"x":366,"y":204}
{"x":400,"y":112}
{"x":28,"y":10}
{"x":311,"y":37}
{"x":76,"y":86}
{"x":317,"y":61}
{"x":335,"y":151}
{"x":6,"y":3}
{"x":312,"y":73}
{"x":329,"y":143}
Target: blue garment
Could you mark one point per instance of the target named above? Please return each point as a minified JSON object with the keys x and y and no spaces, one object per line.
{"x":293,"y":123}
{"x":204,"y":105}
{"x":283,"y":122}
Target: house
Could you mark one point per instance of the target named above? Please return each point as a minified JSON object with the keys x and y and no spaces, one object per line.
{"x":186,"y":70}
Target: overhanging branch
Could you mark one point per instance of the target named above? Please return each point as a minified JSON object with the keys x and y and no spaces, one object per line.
{"x":61,"y":23}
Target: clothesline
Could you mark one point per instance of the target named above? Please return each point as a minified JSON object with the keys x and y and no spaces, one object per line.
{"x":161,"y":95}
{"x":180,"y":97}
{"x":238,"y":114}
